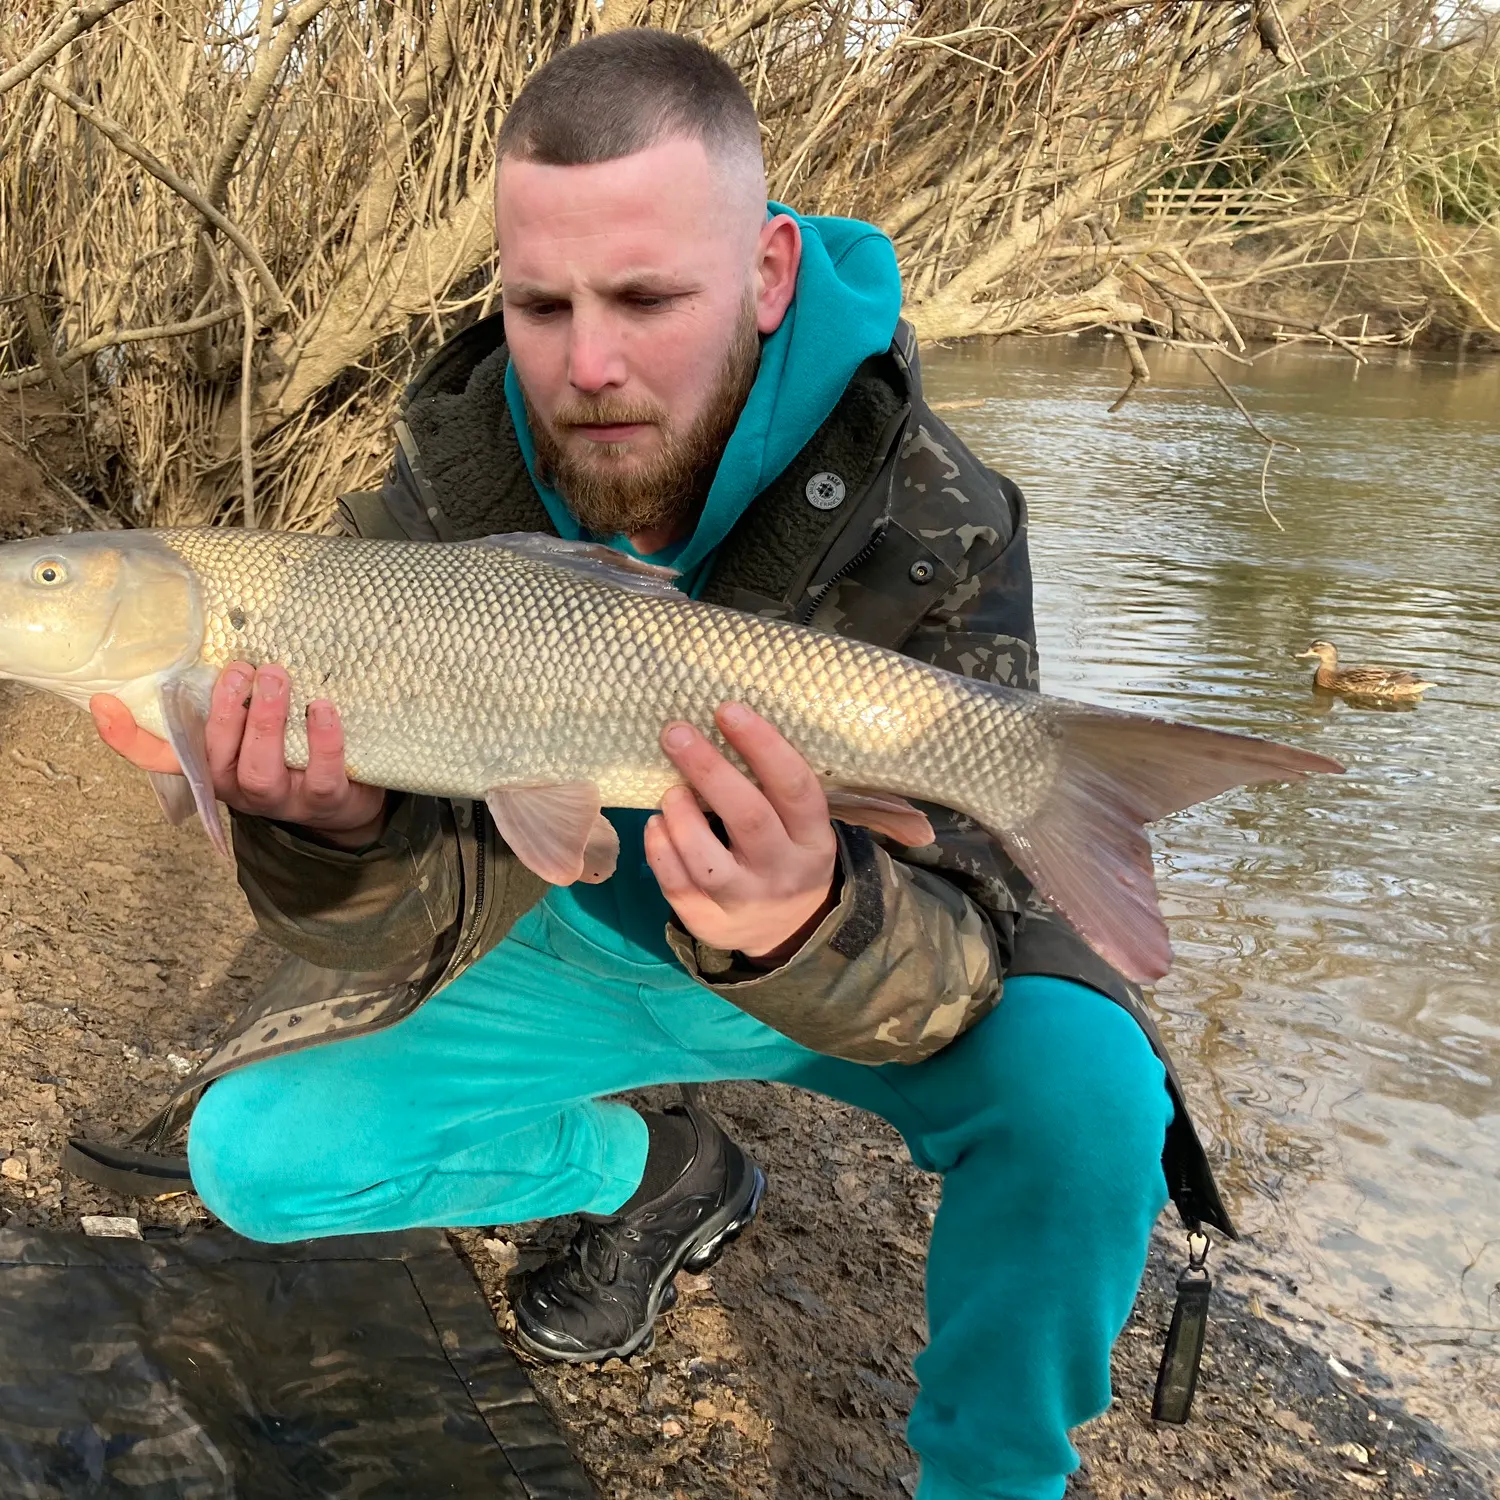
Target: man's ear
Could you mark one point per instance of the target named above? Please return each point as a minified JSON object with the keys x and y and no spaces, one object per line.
{"x":778,"y":255}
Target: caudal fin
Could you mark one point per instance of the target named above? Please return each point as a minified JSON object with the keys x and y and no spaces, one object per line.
{"x":1085,"y":849}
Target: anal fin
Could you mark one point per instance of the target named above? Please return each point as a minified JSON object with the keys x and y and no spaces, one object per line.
{"x":881,"y":812}
{"x":557,"y":831}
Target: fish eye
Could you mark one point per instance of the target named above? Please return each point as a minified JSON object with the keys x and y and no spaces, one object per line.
{"x":50,"y":571}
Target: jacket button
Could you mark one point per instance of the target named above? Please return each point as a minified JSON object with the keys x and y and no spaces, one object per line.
{"x":921,"y":571}
{"x":825,"y":491}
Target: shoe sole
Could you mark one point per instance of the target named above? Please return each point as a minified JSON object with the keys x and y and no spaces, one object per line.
{"x":714,"y":1237}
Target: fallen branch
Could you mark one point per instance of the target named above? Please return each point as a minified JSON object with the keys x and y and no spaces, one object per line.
{"x":1140,"y":371}
{"x":36,"y":375}
{"x":1265,"y":437}
{"x":41,"y":343}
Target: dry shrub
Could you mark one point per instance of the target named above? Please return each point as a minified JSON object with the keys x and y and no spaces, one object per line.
{"x":192,"y":189}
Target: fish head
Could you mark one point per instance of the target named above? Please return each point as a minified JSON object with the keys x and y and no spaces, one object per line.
{"x":95,"y":612}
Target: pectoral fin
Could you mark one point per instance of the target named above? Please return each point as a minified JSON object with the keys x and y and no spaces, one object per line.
{"x":882,"y":812}
{"x":185,"y":715}
{"x":557,"y":831}
{"x":174,"y":796}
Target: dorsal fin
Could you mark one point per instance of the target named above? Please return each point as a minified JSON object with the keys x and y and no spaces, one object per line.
{"x":591,"y":560}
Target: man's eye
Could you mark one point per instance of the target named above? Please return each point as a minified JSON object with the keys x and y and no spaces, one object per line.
{"x":648,"y":303}
{"x":543,"y":309}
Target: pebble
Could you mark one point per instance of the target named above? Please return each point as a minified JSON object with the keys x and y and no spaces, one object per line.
{"x":1289,"y":1421}
{"x":13,"y":1169}
{"x":110,"y":1227}
{"x":504,"y":1254}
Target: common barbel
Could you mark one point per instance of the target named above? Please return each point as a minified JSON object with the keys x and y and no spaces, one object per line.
{"x":537,"y":674}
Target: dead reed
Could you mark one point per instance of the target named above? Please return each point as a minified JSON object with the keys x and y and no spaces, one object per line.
{"x":229,"y":228}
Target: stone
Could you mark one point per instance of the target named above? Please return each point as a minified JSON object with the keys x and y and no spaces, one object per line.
{"x":504,"y":1254}
{"x":110,"y":1227}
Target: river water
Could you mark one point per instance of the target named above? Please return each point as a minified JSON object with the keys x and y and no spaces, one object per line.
{"x":1334,"y":1004}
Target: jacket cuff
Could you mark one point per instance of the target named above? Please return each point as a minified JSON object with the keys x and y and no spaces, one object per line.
{"x":360,"y":909}
{"x":902,"y":965}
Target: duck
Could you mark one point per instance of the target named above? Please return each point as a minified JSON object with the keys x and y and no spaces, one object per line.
{"x":1362,"y":682}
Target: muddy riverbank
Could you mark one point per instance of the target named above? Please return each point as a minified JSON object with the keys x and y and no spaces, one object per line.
{"x":125,"y":947}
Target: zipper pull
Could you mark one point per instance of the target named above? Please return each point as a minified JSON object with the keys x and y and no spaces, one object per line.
{"x":1177,"y":1378}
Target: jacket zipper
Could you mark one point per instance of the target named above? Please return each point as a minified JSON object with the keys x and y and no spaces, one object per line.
{"x":476,"y":914}
{"x":823,"y":590}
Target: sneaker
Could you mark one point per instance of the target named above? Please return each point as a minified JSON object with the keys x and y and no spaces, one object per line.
{"x":600,"y":1298}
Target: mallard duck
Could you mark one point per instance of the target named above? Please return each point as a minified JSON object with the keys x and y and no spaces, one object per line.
{"x":1362,"y":682}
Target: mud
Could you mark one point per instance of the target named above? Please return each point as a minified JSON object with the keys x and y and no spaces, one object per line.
{"x":125,"y":947}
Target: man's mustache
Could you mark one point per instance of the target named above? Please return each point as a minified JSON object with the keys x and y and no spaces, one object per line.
{"x":607,"y":414}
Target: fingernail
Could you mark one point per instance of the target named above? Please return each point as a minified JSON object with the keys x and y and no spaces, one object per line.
{"x":679,"y":737}
{"x":320,"y":714}
{"x":236,"y":680}
{"x":270,"y":686}
{"x":734,"y":714}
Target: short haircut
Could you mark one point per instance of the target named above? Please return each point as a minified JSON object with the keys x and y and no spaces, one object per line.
{"x":616,"y":94}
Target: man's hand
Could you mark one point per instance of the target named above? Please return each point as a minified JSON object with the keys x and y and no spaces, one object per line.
{"x":764,"y":894}
{"x":246,"y":744}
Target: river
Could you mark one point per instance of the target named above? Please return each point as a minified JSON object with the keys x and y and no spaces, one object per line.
{"x":1334,"y":1004}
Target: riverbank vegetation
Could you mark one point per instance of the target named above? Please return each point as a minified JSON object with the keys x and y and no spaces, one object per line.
{"x":229,"y":231}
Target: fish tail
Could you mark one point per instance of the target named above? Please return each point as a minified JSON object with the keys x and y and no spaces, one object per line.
{"x":1085,"y":848}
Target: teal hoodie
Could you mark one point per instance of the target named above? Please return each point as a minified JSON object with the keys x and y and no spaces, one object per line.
{"x":847,"y":301}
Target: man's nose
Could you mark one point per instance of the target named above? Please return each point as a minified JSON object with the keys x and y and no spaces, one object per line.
{"x":596,"y":360}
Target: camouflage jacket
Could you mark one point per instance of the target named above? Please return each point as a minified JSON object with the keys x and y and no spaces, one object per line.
{"x":885,"y":528}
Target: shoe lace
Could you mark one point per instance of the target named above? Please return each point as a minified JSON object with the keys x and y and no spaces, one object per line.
{"x":594,"y":1254}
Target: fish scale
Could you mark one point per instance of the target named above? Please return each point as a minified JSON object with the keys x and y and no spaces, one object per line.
{"x":538,"y":674}
{"x":456,"y":668}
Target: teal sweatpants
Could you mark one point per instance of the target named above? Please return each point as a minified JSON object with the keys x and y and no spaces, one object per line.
{"x":486,"y":1107}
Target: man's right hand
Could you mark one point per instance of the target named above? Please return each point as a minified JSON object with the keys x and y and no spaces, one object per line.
{"x":246,"y":744}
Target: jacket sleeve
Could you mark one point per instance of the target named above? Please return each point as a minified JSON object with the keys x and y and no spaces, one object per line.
{"x":916,"y":949}
{"x":393,"y":901}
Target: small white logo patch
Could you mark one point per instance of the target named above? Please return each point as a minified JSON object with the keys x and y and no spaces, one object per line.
{"x":826,"y":491}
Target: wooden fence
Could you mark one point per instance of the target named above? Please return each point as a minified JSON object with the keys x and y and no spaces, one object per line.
{"x":1214,"y":203}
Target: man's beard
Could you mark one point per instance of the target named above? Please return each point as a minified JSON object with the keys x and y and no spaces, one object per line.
{"x":671,"y":486}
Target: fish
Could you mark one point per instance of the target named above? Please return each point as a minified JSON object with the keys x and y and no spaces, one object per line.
{"x":536,"y":674}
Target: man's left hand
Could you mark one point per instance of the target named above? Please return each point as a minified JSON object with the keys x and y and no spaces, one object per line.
{"x":765,"y":892}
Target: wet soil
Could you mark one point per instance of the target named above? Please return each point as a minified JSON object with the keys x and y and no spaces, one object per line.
{"x":125,"y":948}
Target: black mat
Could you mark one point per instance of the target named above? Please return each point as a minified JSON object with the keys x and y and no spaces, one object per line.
{"x":206,"y":1366}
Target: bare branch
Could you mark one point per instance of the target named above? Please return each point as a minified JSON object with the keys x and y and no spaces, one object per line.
{"x":247,"y":398}
{"x":270,"y":58}
{"x":179,"y":185}
{"x":81,"y":19}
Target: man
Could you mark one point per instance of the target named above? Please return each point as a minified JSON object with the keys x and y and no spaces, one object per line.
{"x":723,"y":386}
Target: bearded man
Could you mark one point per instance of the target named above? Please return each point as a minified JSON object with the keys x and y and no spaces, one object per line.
{"x":713,"y":382}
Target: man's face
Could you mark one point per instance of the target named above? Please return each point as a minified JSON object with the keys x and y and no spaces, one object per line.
{"x":632,"y":293}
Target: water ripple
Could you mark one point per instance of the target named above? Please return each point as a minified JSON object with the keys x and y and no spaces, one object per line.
{"x":1334,"y":997}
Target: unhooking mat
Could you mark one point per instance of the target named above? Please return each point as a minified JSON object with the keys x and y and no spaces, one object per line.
{"x":205,"y":1366}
